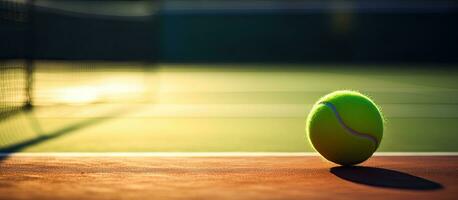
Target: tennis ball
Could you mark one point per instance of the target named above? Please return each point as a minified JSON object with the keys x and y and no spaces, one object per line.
{"x":345,"y":127}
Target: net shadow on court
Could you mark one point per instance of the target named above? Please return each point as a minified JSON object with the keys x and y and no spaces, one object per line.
{"x":41,"y":136}
{"x":385,"y":178}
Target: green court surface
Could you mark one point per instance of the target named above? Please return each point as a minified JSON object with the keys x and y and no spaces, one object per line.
{"x":223,"y":108}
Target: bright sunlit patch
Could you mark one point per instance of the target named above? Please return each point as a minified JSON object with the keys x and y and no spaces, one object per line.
{"x":112,"y":90}
{"x":77,"y":95}
{"x":119,"y":90}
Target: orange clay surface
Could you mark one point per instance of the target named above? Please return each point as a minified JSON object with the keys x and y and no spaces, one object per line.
{"x":239,"y":177}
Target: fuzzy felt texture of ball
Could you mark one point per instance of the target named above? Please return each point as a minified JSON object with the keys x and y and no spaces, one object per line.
{"x":345,"y":127}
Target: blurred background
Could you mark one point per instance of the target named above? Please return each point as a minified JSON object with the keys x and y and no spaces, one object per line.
{"x":220,"y":75}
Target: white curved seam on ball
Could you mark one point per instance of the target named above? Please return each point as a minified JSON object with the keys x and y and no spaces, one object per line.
{"x":353,"y":132}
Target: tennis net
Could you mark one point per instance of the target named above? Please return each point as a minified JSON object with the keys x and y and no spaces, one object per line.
{"x":75,"y":37}
{"x":15,"y":65}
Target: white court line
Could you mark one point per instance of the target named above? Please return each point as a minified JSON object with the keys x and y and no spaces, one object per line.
{"x":248,"y":110}
{"x":209,"y":154}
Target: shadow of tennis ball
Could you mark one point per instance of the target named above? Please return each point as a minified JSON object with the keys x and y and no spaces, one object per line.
{"x":379,"y":177}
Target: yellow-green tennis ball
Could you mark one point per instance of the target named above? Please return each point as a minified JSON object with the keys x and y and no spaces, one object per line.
{"x":345,"y":127}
